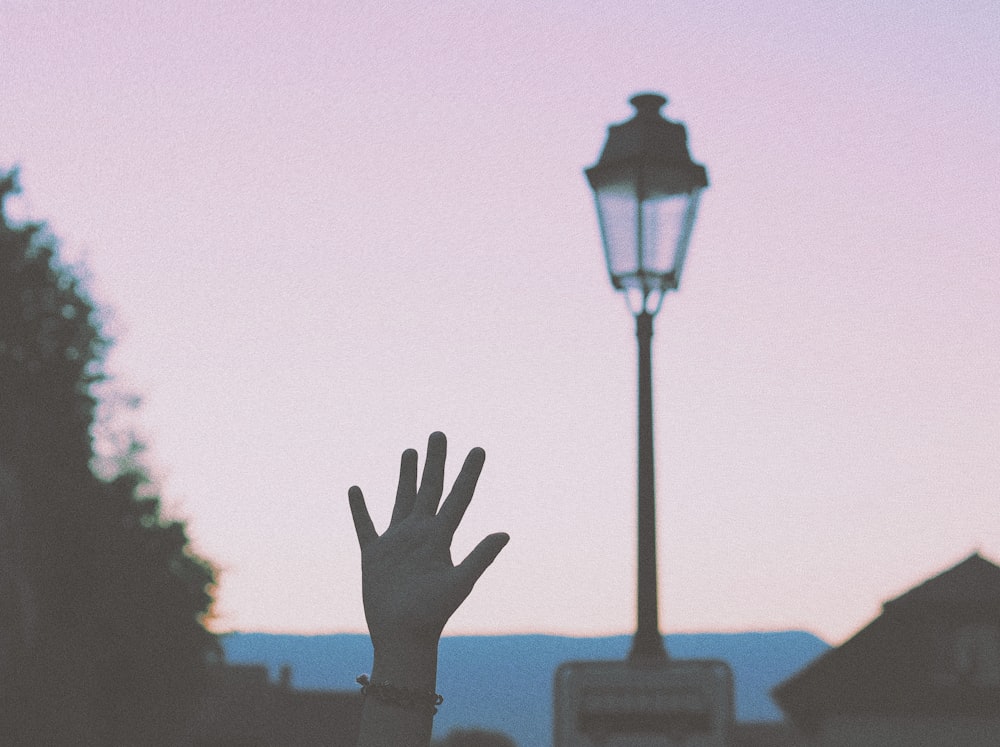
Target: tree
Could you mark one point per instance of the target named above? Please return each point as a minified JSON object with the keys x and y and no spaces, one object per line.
{"x":103,"y":603}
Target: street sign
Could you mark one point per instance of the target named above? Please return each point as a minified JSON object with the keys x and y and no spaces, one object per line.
{"x":619,"y":704}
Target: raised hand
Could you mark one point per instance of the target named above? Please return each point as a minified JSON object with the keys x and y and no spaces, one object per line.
{"x":410,"y":585}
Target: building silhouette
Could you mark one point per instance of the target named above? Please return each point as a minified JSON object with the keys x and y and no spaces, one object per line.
{"x":926,"y":672}
{"x":242,"y":707}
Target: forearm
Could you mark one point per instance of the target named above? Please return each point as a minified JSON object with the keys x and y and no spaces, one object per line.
{"x":386,"y":724}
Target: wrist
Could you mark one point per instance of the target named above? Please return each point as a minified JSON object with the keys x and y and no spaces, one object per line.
{"x":407,"y":664}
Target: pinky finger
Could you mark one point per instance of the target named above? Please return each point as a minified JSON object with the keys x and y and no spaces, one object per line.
{"x":363,"y":525}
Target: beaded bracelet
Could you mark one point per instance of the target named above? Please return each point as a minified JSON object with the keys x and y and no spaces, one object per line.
{"x":403,"y":697}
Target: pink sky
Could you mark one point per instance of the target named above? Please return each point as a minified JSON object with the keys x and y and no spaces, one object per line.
{"x":325,"y":233}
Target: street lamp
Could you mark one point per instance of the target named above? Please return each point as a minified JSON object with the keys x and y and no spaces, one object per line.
{"x":646,"y":188}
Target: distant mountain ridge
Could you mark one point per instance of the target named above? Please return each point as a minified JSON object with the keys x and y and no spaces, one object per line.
{"x":505,"y":682}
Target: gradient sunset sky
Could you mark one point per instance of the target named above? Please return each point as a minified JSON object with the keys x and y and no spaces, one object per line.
{"x":323,"y":230}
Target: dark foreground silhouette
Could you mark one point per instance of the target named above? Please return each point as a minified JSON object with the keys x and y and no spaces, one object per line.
{"x":411,"y":588}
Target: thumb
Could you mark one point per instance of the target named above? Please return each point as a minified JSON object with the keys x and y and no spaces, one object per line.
{"x":481,"y":557}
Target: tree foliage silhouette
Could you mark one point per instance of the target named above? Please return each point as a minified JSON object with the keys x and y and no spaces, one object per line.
{"x":102,"y":601}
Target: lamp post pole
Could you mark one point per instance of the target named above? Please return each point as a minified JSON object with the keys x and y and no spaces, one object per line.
{"x":647,"y":645}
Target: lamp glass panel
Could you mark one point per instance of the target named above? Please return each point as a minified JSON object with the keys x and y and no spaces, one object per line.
{"x":666,"y":227}
{"x":617,"y":211}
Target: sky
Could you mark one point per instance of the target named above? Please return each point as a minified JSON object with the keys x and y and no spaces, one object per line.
{"x":321,"y":231}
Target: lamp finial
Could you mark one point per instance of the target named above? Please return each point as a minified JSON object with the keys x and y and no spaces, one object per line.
{"x":648,"y":103}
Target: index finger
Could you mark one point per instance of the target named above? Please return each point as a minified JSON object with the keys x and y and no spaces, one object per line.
{"x":461,"y":493}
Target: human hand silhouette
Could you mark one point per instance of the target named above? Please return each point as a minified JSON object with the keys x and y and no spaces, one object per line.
{"x":410,"y":585}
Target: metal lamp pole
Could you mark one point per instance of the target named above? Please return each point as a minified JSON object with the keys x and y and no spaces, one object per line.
{"x":647,"y":645}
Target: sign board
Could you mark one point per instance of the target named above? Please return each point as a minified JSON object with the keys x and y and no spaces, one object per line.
{"x":685,"y":702}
